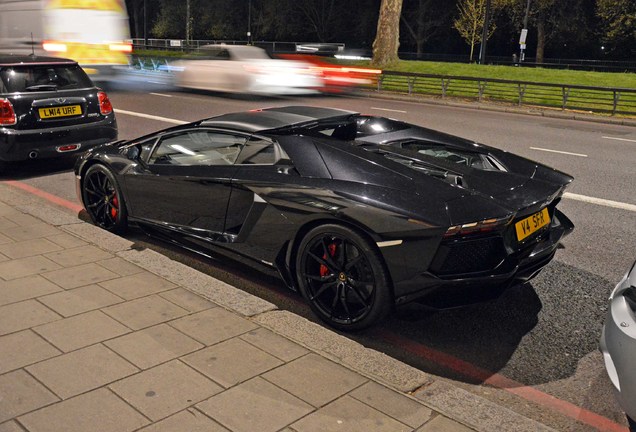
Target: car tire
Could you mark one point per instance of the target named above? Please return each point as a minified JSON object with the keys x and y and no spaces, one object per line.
{"x":343,"y":277}
{"x":632,"y":424}
{"x":103,"y":199}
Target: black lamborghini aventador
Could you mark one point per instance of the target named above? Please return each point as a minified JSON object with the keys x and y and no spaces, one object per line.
{"x":359,"y":213}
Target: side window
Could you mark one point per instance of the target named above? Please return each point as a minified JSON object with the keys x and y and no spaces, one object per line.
{"x":258,"y":152}
{"x":198,"y":147}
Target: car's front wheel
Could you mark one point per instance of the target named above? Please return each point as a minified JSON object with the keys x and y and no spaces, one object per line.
{"x":343,"y":277}
{"x":103,"y":199}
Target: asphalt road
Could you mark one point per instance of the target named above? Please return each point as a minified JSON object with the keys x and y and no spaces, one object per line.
{"x":541,"y":336}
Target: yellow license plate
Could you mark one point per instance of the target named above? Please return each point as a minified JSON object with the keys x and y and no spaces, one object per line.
{"x":60,"y":111}
{"x":532,"y":224}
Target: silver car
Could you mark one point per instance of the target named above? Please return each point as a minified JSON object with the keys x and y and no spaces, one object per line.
{"x":618,"y":343}
{"x":245,"y":69}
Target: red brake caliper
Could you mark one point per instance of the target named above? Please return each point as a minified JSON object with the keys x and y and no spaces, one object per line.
{"x":324,"y":271}
{"x":113,"y":210}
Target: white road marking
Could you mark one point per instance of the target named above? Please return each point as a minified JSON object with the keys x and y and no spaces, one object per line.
{"x":600,"y":201}
{"x":161,"y":94}
{"x":557,"y":151}
{"x":620,"y":139}
{"x":390,"y":110}
{"x":151,"y":117}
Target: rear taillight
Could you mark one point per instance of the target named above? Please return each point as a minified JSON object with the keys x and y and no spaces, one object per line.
{"x":7,"y":113}
{"x":479,"y":227}
{"x":105,"y":107}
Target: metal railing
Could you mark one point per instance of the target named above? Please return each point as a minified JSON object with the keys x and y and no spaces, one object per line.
{"x":563,"y":96}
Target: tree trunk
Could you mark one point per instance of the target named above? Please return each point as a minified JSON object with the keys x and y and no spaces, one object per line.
{"x":541,"y":39}
{"x":387,"y":38}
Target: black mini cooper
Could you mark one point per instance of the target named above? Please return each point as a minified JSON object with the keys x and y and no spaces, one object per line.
{"x":50,"y":107}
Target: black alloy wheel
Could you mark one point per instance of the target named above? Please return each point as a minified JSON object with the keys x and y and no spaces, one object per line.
{"x":103,"y":199}
{"x":343,"y":277}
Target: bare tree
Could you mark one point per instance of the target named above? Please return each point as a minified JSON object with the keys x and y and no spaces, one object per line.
{"x":387,"y":37}
{"x":424,"y":21}
{"x":320,"y":15}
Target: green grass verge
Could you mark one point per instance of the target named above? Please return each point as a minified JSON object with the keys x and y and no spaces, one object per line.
{"x":533,"y":74}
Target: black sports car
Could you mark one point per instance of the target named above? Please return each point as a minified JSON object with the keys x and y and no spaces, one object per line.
{"x":358,"y":213}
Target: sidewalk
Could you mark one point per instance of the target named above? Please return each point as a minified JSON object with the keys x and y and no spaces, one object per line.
{"x":96,"y":335}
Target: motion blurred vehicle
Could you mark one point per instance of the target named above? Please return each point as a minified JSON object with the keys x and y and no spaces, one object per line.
{"x":48,"y":108}
{"x":358,"y":213}
{"x":93,"y":33}
{"x":618,"y":343}
{"x":245,"y":69}
{"x":337,"y":78}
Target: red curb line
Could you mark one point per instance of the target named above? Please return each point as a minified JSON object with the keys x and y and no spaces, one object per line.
{"x":47,"y":196}
{"x":501,"y":382}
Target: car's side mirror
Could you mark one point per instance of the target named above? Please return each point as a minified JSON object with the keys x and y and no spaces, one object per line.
{"x":133,"y":153}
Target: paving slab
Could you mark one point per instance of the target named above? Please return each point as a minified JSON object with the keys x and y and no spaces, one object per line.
{"x":66,"y":240}
{"x":166,"y":389}
{"x":20,"y":393}
{"x":187,"y":300}
{"x":81,"y":371}
{"x":28,"y":248}
{"x":99,"y":410}
{"x":137,"y":285}
{"x":79,"y":255}
{"x":120,"y":266}
{"x":25,"y":288}
{"x":231,"y":362}
{"x":274,"y":344}
{"x":396,"y":405}
{"x":349,"y":415}
{"x":79,"y":331}
{"x":315,"y":379}
{"x":152,"y":346}
{"x":23,"y":315}
{"x":345,"y":351}
{"x":255,"y":405}
{"x":23,"y":348}
{"x":19,"y":268}
{"x":213,"y":325}
{"x":79,"y":300}
{"x":145,"y":312}
{"x":10,"y":427}
{"x":28,"y":232}
{"x":74,"y":277}
{"x":189,"y":420}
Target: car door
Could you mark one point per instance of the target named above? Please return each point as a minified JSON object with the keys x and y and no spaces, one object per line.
{"x":185,"y":183}
{"x":262,"y":166}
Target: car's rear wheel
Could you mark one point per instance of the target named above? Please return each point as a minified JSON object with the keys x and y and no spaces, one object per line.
{"x":103,"y":199}
{"x":343,"y":277}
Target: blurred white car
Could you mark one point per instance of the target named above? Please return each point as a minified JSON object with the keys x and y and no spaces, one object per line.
{"x":618,"y":343}
{"x":245,"y":69}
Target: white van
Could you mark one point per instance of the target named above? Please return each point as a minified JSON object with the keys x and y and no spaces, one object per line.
{"x":94,"y":33}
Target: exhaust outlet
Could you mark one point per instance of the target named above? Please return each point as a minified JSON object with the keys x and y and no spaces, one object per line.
{"x":33,"y":155}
